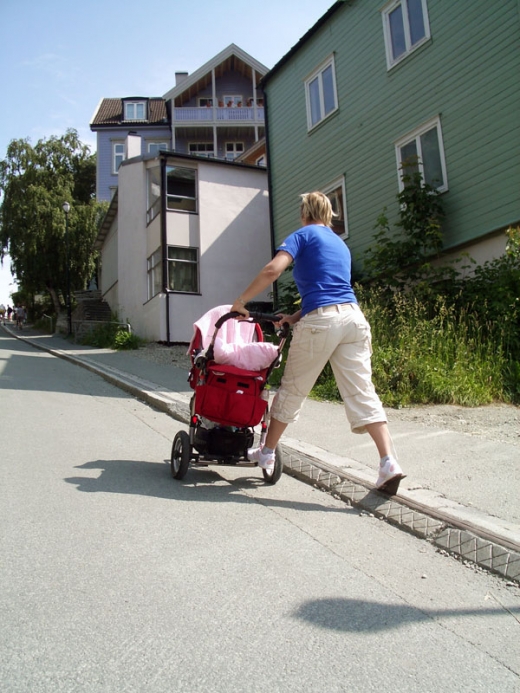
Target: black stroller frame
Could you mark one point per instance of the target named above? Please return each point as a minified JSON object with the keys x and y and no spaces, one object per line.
{"x":226,"y":441}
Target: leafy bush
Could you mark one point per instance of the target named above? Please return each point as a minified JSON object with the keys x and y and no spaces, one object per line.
{"x":126,"y":340}
{"x":111,"y":336}
{"x":101,"y":336}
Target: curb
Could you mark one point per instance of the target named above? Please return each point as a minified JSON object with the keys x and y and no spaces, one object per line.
{"x":465,"y":541}
{"x":484,"y":545}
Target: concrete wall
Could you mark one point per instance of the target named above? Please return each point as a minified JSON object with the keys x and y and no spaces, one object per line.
{"x":109,"y":265}
{"x":231,"y":231}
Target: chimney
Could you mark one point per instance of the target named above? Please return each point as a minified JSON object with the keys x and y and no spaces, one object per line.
{"x":180,"y":77}
{"x":132,"y":145}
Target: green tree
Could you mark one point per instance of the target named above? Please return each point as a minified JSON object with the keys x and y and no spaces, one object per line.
{"x":35,"y":181}
{"x":402,"y":257}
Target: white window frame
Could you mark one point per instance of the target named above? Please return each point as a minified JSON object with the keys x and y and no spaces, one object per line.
{"x":205,"y":101}
{"x":234,"y":98}
{"x":154,"y":274}
{"x":331,"y":187}
{"x":153,"y":193}
{"x":195,"y":262}
{"x":134,"y":105}
{"x":234,"y":152}
{"x":116,"y":155}
{"x":318,"y":74}
{"x":157,"y":145}
{"x":415,"y":135}
{"x":261,"y":161}
{"x":409,"y":48}
{"x":177,"y":202}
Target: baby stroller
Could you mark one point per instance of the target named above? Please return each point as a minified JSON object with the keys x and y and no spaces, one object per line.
{"x":229,"y":400}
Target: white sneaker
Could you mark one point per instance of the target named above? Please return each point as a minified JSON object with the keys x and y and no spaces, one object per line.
{"x":390,"y":475}
{"x":263,"y":461}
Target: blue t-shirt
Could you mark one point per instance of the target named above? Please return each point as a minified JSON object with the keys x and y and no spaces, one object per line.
{"x":322,"y":267}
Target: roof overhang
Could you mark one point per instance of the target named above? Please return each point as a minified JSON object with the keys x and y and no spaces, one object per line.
{"x":321,"y":21}
{"x":232,"y":55}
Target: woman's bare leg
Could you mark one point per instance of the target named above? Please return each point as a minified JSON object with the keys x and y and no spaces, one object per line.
{"x":274,"y":433}
{"x":381,"y":436}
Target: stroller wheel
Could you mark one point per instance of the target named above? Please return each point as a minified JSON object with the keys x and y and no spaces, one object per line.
{"x":181,"y":455}
{"x":274,"y":476}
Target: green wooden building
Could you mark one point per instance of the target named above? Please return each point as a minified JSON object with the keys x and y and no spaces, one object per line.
{"x":370,"y":85}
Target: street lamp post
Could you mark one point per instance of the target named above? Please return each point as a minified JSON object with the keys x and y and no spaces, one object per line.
{"x":66,"y":209}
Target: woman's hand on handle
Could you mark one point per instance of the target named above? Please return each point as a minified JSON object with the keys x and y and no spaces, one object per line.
{"x":239,"y":307}
{"x":289,"y":319}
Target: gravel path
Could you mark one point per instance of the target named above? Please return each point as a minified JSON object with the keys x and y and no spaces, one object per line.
{"x":499,"y":422}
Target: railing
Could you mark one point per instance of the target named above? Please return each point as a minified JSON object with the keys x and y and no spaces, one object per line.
{"x":78,"y":326}
{"x":210,"y":114}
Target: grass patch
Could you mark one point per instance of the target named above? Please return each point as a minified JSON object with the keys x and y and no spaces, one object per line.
{"x":430,"y":354}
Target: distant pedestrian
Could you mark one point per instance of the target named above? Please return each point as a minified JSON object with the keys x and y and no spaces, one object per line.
{"x":2,"y":311}
{"x":9,"y":313}
{"x":20,"y":317}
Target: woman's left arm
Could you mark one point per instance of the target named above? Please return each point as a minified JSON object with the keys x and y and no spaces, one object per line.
{"x":267,"y":276}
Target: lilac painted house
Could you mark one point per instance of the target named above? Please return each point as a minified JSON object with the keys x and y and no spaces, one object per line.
{"x":216,"y":112}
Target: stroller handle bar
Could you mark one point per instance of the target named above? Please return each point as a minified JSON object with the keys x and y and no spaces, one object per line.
{"x":253,"y":317}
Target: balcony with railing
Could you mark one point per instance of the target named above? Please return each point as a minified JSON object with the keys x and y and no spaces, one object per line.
{"x":217,"y":114}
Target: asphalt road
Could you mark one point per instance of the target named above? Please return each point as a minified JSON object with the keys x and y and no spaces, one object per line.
{"x":115,"y":578}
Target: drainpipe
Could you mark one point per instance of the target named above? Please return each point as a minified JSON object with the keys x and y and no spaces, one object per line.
{"x":164,"y":247}
{"x":270,"y":191}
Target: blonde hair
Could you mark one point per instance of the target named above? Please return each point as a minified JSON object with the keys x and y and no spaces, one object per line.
{"x":316,"y":206}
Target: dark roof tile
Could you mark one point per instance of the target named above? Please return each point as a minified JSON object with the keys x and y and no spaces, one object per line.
{"x":110,"y":112}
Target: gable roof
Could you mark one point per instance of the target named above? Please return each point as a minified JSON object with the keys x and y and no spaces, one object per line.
{"x":110,"y":112}
{"x":231,"y":58}
{"x":303,"y":40}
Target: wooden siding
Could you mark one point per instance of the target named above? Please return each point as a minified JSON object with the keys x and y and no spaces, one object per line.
{"x":467,"y":74}
{"x":229,"y":83}
{"x":105,"y":179}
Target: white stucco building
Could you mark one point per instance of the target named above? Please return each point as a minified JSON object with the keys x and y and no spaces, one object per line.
{"x":182,"y":234}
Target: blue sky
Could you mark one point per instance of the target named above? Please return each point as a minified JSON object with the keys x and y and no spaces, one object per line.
{"x":59,"y":58}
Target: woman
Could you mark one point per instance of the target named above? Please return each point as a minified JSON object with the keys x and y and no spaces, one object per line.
{"x":329,"y":327}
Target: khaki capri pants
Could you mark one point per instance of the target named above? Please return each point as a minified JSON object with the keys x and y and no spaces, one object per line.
{"x":339,"y":334}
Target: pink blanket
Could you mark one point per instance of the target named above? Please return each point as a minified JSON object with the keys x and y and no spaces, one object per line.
{"x":234,"y":344}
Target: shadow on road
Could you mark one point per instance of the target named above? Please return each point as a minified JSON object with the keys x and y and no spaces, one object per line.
{"x":359,"y":616}
{"x":154,"y":479}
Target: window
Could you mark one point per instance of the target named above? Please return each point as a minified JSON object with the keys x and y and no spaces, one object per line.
{"x":201,"y":148}
{"x":422,"y":150}
{"x":205,"y":102}
{"x":181,"y":189}
{"x":155,"y":147}
{"x":336,"y":194}
{"x":183,"y":269}
{"x":118,"y":155}
{"x":320,"y":92}
{"x":406,"y":27}
{"x":154,"y":274}
{"x":232,"y":99}
{"x":154,"y":193}
{"x":233,"y":149}
{"x":261,"y":161}
{"x":135,"y":110}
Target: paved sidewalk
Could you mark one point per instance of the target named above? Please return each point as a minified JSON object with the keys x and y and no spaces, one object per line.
{"x":462,"y":492}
